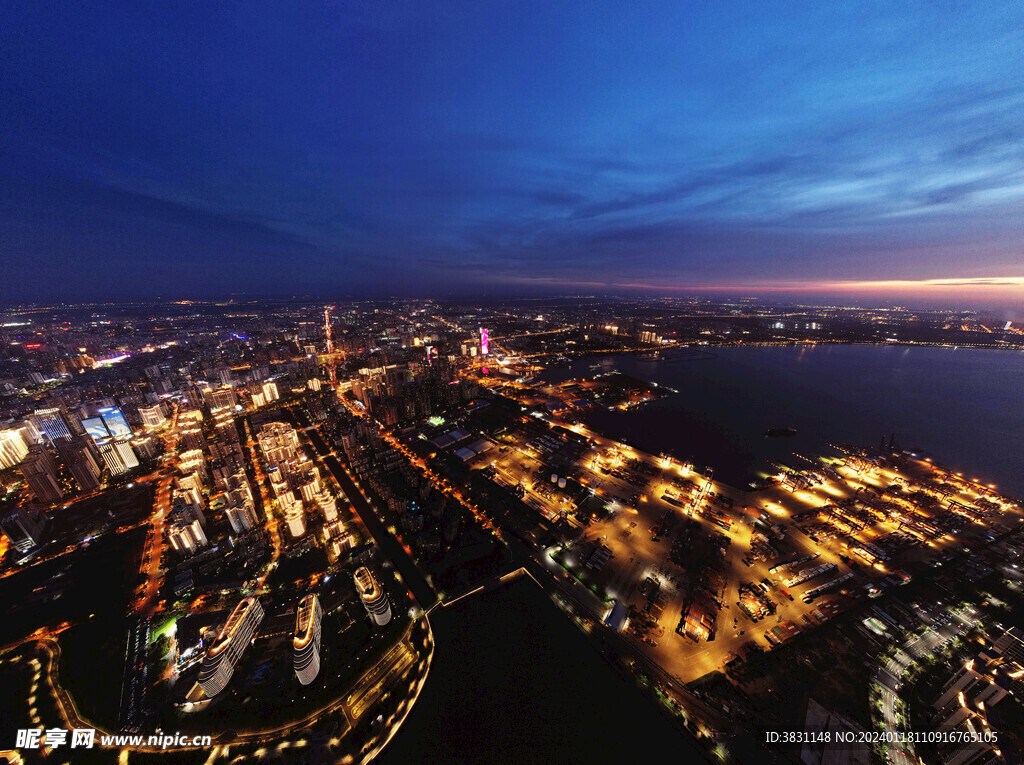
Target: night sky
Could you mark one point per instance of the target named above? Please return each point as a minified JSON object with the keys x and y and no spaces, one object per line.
{"x":860,"y":149}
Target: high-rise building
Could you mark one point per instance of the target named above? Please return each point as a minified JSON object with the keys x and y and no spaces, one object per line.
{"x":187,"y":536}
{"x":146,"y":448}
{"x":78,"y":454}
{"x":192,"y":438}
{"x":41,"y":474}
{"x":192,"y":461}
{"x":375,"y":600}
{"x":310,"y":489}
{"x":270,"y":391}
{"x":328,"y":504}
{"x":24,"y":529}
{"x":52,"y":423}
{"x":484,"y":342}
{"x":224,"y":374}
{"x":222,"y":398}
{"x":237,"y":488}
{"x":307,"y":639}
{"x":241,"y":516}
{"x":152,"y":416}
{"x":279,"y":443}
{"x":13,"y":448}
{"x":296,"y":520}
{"x":118,"y":456}
{"x":220,"y":660}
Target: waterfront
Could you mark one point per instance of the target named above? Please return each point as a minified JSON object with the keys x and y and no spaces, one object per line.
{"x":513,"y":680}
{"x":961,"y":406}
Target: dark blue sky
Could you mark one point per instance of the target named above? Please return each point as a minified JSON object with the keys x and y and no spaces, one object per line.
{"x":478,"y":148}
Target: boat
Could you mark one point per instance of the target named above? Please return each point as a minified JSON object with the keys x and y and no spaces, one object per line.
{"x":779,"y":432}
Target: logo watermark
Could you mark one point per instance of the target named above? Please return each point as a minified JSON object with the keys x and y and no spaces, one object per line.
{"x":86,"y":738}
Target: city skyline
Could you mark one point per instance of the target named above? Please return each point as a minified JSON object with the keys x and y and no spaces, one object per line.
{"x":862,"y":153}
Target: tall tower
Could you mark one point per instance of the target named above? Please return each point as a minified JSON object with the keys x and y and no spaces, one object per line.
{"x":375,"y":600}
{"x":222,"y":656}
{"x":331,"y":367}
{"x":41,"y":474}
{"x":307,"y":639}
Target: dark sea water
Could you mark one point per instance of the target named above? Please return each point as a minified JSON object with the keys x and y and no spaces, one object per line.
{"x":514,"y":681}
{"x":963,"y":407}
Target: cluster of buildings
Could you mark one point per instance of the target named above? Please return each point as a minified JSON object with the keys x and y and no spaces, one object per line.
{"x":299,"y":488}
{"x":961,"y":712}
{"x":221,"y":656}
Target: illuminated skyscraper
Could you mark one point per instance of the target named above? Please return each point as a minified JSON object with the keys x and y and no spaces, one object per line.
{"x":307,"y":639}
{"x":222,"y":398}
{"x":484,"y":344}
{"x":328,"y":504}
{"x":41,"y":474}
{"x":296,"y":521}
{"x":222,"y":656}
{"x":13,"y":448}
{"x":52,"y":423}
{"x":187,"y":536}
{"x":152,"y":416}
{"x":241,"y":516}
{"x":375,"y":600}
{"x":118,"y":456}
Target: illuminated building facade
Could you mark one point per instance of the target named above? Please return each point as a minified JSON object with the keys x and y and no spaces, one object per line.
{"x":484,"y":342}
{"x":118,"y":456}
{"x":187,"y":537}
{"x":307,"y":639}
{"x":222,"y":656}
{"x":52,"y":423}
{"x":152,"y":416}
{"x":13,"y":448}
{"x":241,"y":516}
{"x":374,"y":599}
{"x":328,"y":505}
{"x":77,"y":453}
{"x":295,"y":519}
{"x":278,"y":442}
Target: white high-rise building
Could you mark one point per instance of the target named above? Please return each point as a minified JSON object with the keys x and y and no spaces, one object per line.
{"x":118,"y":456}
{"x":296,"y":521}
{"x":13,"y":448}
{"x":375,"y":600}
{"x":220,"y":660}
{"x":242,"y":517}
{"x":308,"y":491}
{"x":187,"y":536}
{"x":307,"y":639}
{"x":192,"y":461}
{"x":328,"y":504}
{"x":152,"y":416}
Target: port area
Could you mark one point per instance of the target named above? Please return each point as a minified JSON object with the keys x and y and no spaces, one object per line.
{"x":700,"y":575}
